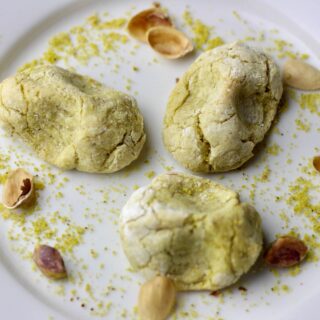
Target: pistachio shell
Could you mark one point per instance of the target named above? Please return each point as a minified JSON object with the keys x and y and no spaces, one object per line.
{"x":139,"y":24}
{"x":50,"y":262}
{"x":157,"y":298}
{"x":301,"y":75}
{"x":18,"y":189}
{"x":169,"y":42}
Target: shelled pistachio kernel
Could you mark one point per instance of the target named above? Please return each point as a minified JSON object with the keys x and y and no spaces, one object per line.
{"x":285,"y":252}
{"x":316,"y":163}
{"x":50,"y":262}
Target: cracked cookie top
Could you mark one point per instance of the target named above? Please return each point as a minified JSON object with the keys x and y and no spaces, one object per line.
{"x":192,"y":230}
{"x":72,"y":121}
{"x":221,"y":108}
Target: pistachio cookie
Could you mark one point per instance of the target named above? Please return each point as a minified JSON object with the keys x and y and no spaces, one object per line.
{"x":192,"y":230}
{"x":221,"y":108}
{"x":72,"y":121}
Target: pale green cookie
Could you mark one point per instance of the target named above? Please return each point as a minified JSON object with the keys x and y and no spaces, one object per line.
{"x":221,"y":108}
{"x":192,"y":230}
{"x":72,"y":121}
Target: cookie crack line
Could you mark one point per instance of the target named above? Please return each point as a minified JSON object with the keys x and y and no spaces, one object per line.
{"x":108,"y":155}
{"x":8,"y":110}
{"x":232,"y":240}
{"x":142,"y":136}
{"x":76,"y":134}
{"x":21,"y":87}
{"x":183,"y":100}
{"x":205,"y":142}
{"x":2,"y":104}
{"x":227,"y":119}
{"x":76,"y":156}
{"x":267,"y":87}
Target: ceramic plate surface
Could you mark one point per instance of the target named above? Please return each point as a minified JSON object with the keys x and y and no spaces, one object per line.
{"x":77,"y":207}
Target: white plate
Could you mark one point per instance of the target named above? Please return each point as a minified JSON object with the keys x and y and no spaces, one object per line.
{"x":25,"y":28}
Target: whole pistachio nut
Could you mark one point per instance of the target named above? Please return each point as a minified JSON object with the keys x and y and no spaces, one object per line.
{"x":157,"y":298}
{"x":50,"y":262}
